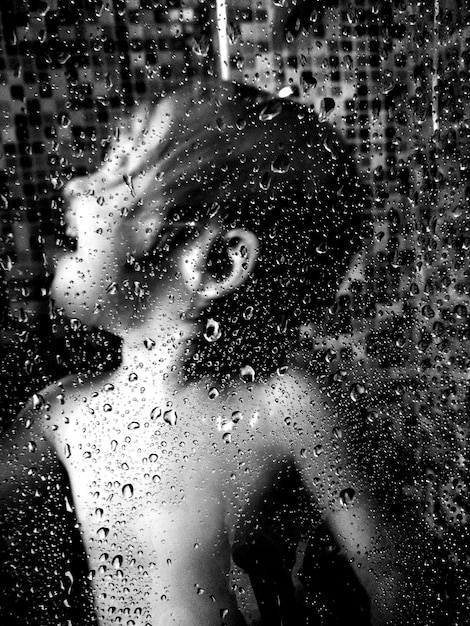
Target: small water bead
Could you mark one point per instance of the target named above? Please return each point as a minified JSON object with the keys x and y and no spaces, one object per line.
{"x":153,"y":458}
{"x":133,"y":377}
{"x":109,"y":387}
{"x":133,"y":426}
{"x":107,"y":408}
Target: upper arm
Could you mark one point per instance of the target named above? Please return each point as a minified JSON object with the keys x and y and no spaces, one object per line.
{"x":42,"y":563}
{"x":386,"y":552}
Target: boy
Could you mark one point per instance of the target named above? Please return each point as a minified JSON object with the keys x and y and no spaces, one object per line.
{"x":220,"y":220}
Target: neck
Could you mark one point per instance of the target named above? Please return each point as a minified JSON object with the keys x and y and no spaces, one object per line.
{"x":158,"y":348}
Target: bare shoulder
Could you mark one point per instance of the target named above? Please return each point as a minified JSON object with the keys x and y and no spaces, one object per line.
{"x":297,"y":397}
{"x":33,"y":436}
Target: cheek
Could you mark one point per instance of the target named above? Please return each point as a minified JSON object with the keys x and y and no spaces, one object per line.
{"x":76,"y":287}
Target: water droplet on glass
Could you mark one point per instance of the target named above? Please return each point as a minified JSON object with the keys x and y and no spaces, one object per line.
{"x":130,"y":183}
{"x":201,"y":46}
{"x":114,"y":445}
{"x":233,"y":32}
{"x":107,"y":408}
{"x":357,"y":390}
{"x":128,"y":491}
{"x":212,"y":331}
{"x":248,"y":313}
{"x":6,"y":263}
{"x":117,"y":562}
{"x":67,"y":451}
{"x":247,"y":374}
{"x":326,"y":107}
{"x":348,"y":62}
{"x":213,"y":393}
{"x":103,"y":532}
{"x":149,"y":343}
{"x":155,"y":413}
{"x":281,"y":164}
{"x":270,"y":111}
{"x":265,"y":181}
{"x":133,"y":426}
{"x":347,"y":496}
{"x":237,"y":416}
{"x":153,"y":458}
{"x":170,"y":417}
{"x":64,"y":120}
{"x":317,"y":450}
{"x":38,"y":401}
{"x":308,"y":81}
{"x":337,"y":432}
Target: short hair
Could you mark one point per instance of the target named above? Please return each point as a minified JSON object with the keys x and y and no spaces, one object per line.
{"x":231,"y":153}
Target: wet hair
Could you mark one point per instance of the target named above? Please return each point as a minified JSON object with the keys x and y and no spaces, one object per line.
{"x":236,"y":155}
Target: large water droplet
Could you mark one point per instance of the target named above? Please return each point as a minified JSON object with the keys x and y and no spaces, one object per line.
{"x":117,"y":561}
{"x":347,"y":496}
{"x":155,"y":413}
{"x":38,"y":401}
{"x":170,"y":417}
{"x":213,"y":393}
{"x":281,"y":164}
{"x":128,"y":491}
{"x":103,"y":532}
{"x":326,"y":107}
{"x":212,"y":331}
{"x":247,"y":374}
{"x":270,"y":111}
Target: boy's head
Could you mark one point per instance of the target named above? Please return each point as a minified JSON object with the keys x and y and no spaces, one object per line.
{"x":257,"y":198}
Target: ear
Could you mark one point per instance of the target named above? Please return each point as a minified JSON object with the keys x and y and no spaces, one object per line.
{"x":242,"y":251}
